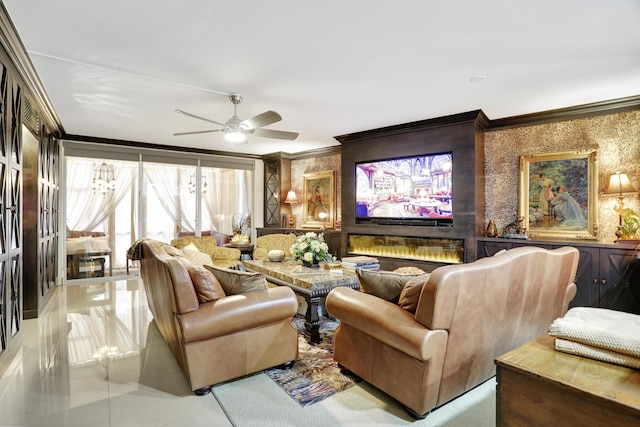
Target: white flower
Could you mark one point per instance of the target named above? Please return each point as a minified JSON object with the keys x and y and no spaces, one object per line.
{"x":310,"y":247}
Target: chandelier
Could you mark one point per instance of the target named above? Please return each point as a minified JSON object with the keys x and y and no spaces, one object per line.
{"x":192,"y":184}
{"x":103,"y":179}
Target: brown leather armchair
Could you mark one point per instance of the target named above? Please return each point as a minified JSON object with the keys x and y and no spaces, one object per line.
{"x":221,"y":339}
{"x":466,"y":316}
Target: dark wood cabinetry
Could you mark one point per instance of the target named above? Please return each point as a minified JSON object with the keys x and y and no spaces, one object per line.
{"x":11,"y":209}
{"x":599,"y":269}
{"x":277,"y":182}
{"x":41,"y":194}
{"x":29,"y":199}
{"x":463,"y":136}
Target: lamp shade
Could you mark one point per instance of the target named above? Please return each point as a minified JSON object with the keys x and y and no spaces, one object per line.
{"x":291,"y":197}
{"x":619,"y":183}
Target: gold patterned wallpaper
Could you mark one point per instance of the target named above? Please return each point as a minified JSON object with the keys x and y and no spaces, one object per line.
{"x":315,"y":164}
{"x":616,"y":136}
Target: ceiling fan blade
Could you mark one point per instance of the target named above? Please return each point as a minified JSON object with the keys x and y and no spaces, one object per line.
{"x":263,"y":119}
{"x":195,"y":132}
{"x":198,"y":117}
{"x":277,"y":134}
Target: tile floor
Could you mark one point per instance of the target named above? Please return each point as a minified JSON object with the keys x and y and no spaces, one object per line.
{"x":94,"y":358}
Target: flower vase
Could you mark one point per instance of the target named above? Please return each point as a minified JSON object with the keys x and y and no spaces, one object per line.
{"x":311,"y":265}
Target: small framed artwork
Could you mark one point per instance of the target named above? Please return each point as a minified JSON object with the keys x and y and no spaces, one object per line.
{"x":318,"y":199}
{"x":558,"y":194}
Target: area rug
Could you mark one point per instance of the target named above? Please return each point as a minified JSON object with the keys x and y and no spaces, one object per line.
{"x":314,"y":375}
{"x":256,"y":401}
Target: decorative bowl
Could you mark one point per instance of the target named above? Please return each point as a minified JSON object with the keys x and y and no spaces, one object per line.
{"x":275,"y":255}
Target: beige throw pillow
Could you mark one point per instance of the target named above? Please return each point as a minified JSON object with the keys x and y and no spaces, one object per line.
{"x":99,"y":244}
{"x":78,"y":244}
{"x":410,"y":294}
{"x":383,"y":284}
{"x":238,"y":282}
{"x":197,"y":257}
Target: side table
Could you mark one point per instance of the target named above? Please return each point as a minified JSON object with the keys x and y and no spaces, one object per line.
{"x":246,"y":249}
{"x":83,"y":265}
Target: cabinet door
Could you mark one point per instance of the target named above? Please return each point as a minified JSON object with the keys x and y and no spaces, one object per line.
{"x":272,"y":188}
{"x":587,"y":278}
{"x":613,"y":262}
{"x":487,"y":248}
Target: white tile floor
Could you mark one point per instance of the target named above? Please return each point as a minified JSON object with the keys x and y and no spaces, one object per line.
{"x":94,"y":358}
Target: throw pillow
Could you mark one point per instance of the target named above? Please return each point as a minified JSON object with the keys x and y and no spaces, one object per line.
{"x":197,"y":257}
{"x":191,"y":247}
{"x":78,"y":244}
{"x":99,"y":244}
{"x":193,"y":254}
{"x":206,"y":285}
{"x":410,"y":294}
{"x":238,"y":282}
{"x":409,"y":270}
{"x":383,"y":284}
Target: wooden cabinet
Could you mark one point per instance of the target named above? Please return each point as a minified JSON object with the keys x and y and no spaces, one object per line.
{"x":277,"y":182}
{"x":11,"y":209}
{"x":539,"y":386}
{"x":41,"y":155}
{"x":599,"y":269}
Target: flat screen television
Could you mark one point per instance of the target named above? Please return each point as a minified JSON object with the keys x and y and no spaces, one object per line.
{"x":408,"y":190}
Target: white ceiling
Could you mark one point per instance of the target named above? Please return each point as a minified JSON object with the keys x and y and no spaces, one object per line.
{"x":118,"y":69}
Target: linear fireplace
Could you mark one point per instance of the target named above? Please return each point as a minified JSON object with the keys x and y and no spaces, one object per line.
{"x":432,"y":249}
{"x":456,"y":193}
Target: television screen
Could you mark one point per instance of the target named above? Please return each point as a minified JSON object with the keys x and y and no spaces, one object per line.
{"x":405,"y":188}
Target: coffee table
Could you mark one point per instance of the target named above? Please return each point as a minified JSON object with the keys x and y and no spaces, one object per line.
{"x":313,"y":284}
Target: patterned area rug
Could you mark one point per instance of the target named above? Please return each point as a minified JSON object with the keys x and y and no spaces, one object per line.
{"x":314,"y":375}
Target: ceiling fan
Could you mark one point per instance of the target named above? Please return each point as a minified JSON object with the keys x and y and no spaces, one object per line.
{"x":236,"y":130}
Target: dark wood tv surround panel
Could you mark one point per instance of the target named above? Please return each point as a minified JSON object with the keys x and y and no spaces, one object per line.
{"x":463,"y":135}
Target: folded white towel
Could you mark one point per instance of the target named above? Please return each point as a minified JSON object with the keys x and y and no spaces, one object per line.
{"x":599,"y":327}
{"x":597,"y":353}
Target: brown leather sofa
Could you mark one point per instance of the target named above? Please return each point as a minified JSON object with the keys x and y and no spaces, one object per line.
{"x":467,"y":315}
{"x":222,"y":339}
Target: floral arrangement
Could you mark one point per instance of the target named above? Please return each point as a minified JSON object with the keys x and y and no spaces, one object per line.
{"x":310,"y":248}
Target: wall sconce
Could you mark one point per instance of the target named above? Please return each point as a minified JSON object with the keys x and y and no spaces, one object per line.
{"x":618,"y":184}
{"x":291,"y":199}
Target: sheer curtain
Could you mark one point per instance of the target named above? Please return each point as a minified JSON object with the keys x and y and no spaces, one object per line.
{"x":170,"y":185}
{"x":86,"y":209}
{"x":230,"y":192}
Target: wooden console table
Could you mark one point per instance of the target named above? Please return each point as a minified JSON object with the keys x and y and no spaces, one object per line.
{"x":83,"y":265}
{"x":539,"y":386}
{"x":311,"y":283}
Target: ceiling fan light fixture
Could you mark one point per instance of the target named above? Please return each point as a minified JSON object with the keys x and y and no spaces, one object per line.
{"x":235,"y":135}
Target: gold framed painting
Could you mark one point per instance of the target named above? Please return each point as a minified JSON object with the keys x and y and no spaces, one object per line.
{"x":558,"y":195}
{"x":318,"y":199}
